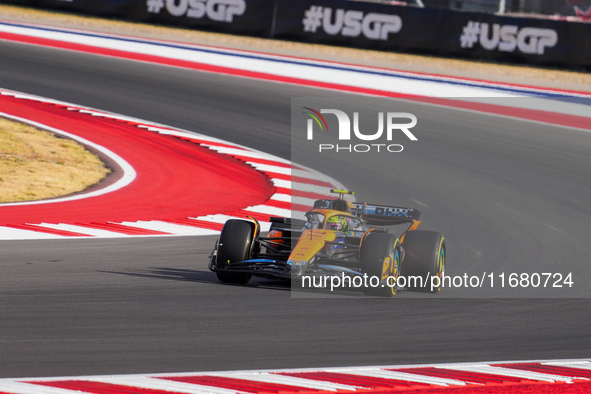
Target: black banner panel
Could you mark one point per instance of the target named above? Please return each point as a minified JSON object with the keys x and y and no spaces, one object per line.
{"x":365,"y":25}
{"x":252,"y":17}
{"x":434,"y":31}
{"x":528,"y":40}
{"x":357,"y":24}
{"x":249,"y":17}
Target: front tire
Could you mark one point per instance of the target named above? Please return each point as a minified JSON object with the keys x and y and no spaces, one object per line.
{"x":425,"y":255}
{"x":234,"y":245}
{"x":380,"y":258}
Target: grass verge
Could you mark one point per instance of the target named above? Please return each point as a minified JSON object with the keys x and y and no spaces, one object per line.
{"x":36,"y":164}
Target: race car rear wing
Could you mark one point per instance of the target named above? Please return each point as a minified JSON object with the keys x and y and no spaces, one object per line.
{"x":385,"y":215}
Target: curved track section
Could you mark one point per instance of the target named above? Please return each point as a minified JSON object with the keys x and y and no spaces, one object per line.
{"x":502,"y":190}
{"x":175,"y":185}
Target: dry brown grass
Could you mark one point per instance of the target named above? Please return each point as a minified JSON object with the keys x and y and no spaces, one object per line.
{"x":36,"y":164}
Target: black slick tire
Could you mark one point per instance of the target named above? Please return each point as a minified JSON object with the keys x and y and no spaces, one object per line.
{"x":234,"y":245}
{"x":380,"y":261}
{"x":425,"y":255}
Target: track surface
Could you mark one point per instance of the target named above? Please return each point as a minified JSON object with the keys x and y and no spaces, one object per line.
{"x":502,"y":191}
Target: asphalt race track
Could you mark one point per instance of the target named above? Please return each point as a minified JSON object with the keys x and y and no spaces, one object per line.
{"x":503,"y":192}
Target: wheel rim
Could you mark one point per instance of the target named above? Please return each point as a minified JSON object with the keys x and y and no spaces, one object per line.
{"x":441,"y":264}
{"x":395,"y":270}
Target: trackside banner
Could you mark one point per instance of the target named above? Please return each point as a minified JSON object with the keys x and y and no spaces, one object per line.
{"x":434,"y":31}
{"x":251,"y":17}
{"x":358,"y":24}
{"x":503,"y":38}
{"x":364,"y":25}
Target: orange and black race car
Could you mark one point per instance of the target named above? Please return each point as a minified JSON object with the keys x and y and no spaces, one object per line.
{"x":338,"y":238}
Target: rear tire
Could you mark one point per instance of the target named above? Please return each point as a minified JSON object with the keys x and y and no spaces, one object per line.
{"x":380,"y":258}
{"x":234,"y":245}
{"x":425,"y":254}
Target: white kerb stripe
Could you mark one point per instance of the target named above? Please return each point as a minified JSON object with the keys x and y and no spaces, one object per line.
{"x":571,"y":364}
{"x":171,"y":228}
{"x":294,"y":199}
{"x":146,"y":382}
{"x":409,"y":377}
{"x":289,"y":380}
{"x":271,"y":169}
{"x":302,"y":187}
{"x":268,"y":210}
{"x":218,"y":218}
{"x":92,"y":232}
{"x":9,"y":233}
{"x":516,"y":373}
{"x":14,"y":387}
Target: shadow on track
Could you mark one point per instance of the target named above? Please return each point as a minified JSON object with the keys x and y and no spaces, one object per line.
{"x":185,"y":275}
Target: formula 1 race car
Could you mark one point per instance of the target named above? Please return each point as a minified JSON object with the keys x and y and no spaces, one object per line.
{"x":338,"y":237}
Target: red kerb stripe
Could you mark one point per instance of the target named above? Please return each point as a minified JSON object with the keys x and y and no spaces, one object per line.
{"x":197,"y":223}
{"x":263,"y":161}
{"x":121,"y":229}
{"x":288,"y":205}
{"x":47,"y":230}
{"x":261,"y":217}
{"x":303,"y":194}
{"x":299,"y":179}
{"x":99,"y":387}
{"x":465,"y":376}
{"x":355,"y":380}
{"x":549,"y":369}
{"x":239,"y":384}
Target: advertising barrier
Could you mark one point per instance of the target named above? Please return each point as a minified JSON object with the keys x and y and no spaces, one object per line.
{"x":251,"y":17}
{"x":365,"y":25}
{"x":436,"y":31}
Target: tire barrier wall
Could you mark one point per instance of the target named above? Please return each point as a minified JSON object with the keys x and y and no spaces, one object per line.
{"x":364,"y":25}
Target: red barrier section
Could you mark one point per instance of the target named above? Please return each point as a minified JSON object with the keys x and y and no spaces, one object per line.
{"x":175,"y":179}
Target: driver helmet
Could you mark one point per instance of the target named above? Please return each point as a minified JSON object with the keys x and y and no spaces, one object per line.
{"x":336,"y":223}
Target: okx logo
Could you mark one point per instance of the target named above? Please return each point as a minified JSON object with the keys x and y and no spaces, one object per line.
{"x":390,"y":126}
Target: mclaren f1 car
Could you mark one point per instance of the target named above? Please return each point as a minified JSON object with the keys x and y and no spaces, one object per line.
{"x":338,"y":237}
